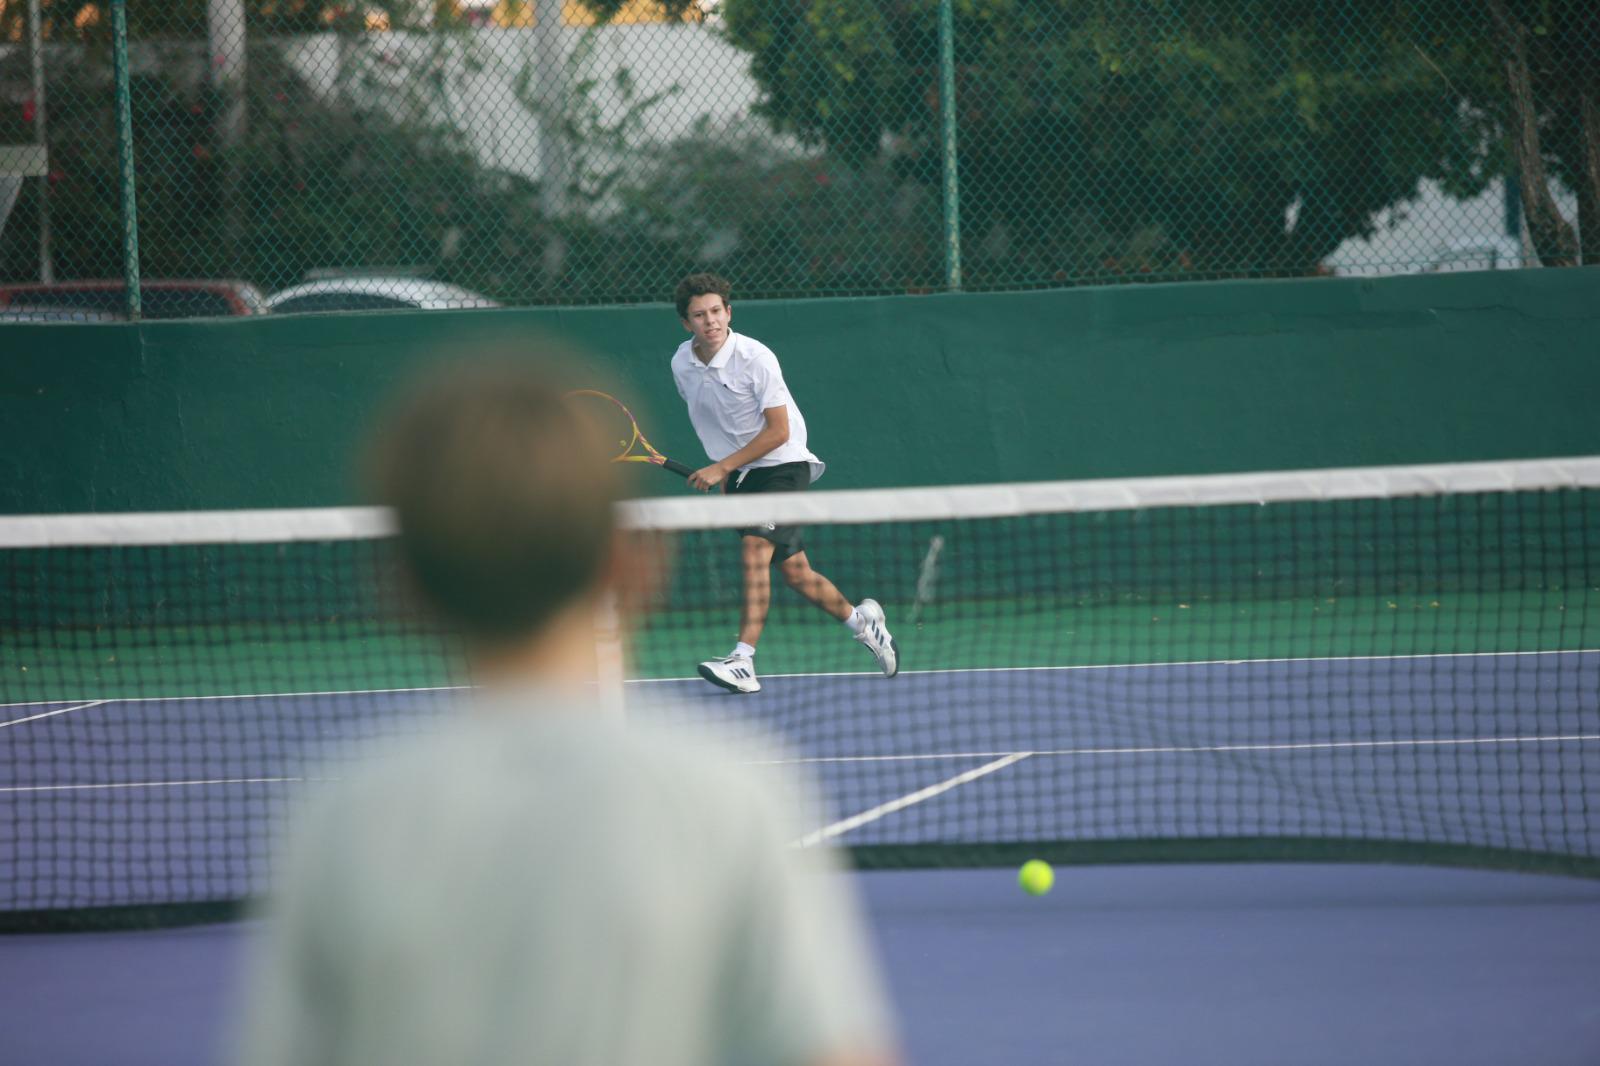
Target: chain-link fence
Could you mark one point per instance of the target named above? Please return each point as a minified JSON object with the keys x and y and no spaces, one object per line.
{"x":350,"y":154}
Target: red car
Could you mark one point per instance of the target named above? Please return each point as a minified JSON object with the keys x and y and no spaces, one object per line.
{"x":163,"y":298}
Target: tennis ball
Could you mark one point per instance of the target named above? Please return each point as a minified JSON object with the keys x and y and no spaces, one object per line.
{"x":1036,"y":877}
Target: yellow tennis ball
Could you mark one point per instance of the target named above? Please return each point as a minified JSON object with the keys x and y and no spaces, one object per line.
{"x":1036,"y":877}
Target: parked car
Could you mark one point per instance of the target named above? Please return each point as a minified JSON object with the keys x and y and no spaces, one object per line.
{"x":159,"y":298}
{"x":24,"y":313}
{"x":374,"y":294}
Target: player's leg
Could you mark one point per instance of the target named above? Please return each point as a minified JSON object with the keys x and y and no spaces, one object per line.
{"x":813,"y":586}
{"x":736,"y":671}
{"x":864,"y":620}
{"x":757,"y":560}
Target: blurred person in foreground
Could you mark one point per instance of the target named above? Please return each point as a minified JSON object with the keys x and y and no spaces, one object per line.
{"x":537,"y":882}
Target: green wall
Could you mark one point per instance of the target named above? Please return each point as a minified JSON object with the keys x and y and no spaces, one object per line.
{"x":897,"y":390}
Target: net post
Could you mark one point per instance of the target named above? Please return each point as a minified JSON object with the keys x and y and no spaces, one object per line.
{"x":608,"y":654}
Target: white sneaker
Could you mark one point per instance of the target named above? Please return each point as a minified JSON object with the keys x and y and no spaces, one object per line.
{"x":736,"y":673}
{"x":875,"y":635}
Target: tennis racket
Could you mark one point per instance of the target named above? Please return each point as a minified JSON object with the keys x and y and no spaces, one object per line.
{"x":618,"y":424}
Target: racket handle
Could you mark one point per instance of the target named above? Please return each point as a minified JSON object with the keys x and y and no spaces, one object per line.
{"x":677,"y":467}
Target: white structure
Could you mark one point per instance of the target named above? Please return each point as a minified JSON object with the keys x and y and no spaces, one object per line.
{"x":1437,"y":233}
{"x":544,"y":103}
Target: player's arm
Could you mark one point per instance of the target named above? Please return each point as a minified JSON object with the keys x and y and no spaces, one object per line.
{"x":773,"y":435}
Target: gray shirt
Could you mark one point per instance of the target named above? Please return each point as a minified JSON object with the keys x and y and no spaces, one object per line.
{"x":538,"y":884}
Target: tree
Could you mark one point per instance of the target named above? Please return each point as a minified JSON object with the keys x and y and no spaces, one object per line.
{"x":1546,"y":104}
{"x":327,"y":186}
{"x":1173,"y":137}
{"x":69,"y":20}
{"x":1187,"y":137}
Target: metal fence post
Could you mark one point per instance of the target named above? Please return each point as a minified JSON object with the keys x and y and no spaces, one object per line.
{"x":47,"y":268}
{"x":947,"y":142}
{"x":130,"y":211}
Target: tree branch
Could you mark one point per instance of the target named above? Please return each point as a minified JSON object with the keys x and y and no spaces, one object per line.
{"x":1589,"y":180}
{"x":1553,"y":236}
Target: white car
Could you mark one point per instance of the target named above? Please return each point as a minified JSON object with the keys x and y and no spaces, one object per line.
{"x":374,"y":294}
{"x":1487,"y":252}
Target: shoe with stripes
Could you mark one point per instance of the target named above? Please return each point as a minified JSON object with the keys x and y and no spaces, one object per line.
{"x":875,"y":635}
{"x":736,"y":673}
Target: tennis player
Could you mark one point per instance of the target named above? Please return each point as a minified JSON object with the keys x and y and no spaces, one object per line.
{"x":535,"y":882}
{"x":755,"y":436}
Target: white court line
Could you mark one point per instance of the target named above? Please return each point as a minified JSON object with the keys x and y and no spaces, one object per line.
{"x":1001,"y":759}
{"x":855,"y":821}
{"x":253,"y":695}
{"x":839,"y":828}
{"x":48,"y":714}
{"x":868,"y":673}
{"x":160,"y":784}
{"x":1200,"y":749}
{"x":1148,"y":665}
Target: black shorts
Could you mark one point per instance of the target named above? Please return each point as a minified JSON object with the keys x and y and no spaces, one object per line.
{"x":785,"y":477}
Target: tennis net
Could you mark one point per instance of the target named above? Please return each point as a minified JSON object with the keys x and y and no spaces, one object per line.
{"x":1385,"y":663}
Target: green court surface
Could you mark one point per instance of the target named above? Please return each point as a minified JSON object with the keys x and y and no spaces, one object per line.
{"x":131,"y":662}
{"x":1014,"y":634}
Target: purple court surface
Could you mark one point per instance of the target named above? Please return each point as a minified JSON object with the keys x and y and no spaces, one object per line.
{"x":1193,"y":964}
{"x":1489,"y":750}
{"x":1139,"y":964}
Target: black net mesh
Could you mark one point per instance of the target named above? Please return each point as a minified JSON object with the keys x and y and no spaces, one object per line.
{"x":1405,"y":678}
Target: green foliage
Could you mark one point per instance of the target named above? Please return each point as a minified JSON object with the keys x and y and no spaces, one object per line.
{"x":1125,"y":137}
{"x":784,"y":224}
{"x":370,"y":170}
{"x":1099,"y":140}
{"x":720,"y":200}
{"x":1561,"y":39}
{"x":82,"y":183}
{"x":313,"y":183}
{"x":66,"y":20}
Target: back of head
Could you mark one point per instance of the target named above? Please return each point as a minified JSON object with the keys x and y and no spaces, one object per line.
{"x":502,"y":492}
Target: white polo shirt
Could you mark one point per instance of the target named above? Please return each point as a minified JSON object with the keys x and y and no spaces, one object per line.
{"x":726,"y":398}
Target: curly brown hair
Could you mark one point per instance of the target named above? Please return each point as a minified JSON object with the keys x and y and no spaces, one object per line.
{"x":701,"y":285}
